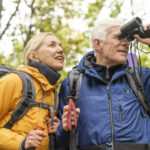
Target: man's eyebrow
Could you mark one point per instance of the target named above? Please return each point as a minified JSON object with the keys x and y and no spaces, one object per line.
{"x":52,"y":41}
{"x":116,"y":34}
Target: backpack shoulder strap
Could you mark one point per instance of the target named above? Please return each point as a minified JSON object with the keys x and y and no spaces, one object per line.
{"x":137,"y":87}
{"x":4,"y":70}
{"x":28,"y":94}
{"x":75,"y":80}
{"x":28,"y":97}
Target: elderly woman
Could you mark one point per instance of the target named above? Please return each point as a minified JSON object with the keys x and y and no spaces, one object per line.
{"x":43,"y":58}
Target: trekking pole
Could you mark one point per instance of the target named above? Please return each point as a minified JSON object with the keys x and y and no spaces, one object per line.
{"x":31,"y":148}
{"x":37,"y":128}
{"x":52,"y":136}
{"x":72,"y":129}
{"x":52,"y":141}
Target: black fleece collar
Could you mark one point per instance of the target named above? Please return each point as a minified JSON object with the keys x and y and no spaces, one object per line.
{"x":103,"y":71}
{"x":51,"y":75}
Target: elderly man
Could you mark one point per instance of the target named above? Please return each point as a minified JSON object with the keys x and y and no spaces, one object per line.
{"x":109,"y":112}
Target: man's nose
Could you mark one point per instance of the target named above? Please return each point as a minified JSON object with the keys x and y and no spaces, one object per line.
{"x":125,"y":41}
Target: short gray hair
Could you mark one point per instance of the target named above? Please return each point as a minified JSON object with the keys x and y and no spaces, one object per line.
{"x":99,"y":30}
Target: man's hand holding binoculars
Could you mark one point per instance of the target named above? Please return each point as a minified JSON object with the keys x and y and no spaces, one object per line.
{"x":143,"y":40}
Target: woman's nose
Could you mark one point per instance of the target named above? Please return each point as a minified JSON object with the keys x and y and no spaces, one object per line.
{"x":60,"y":48}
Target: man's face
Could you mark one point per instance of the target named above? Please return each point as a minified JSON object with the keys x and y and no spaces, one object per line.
{"x":113,"y":50}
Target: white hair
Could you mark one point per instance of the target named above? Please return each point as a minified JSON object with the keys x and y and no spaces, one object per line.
{"x":99,"y":30}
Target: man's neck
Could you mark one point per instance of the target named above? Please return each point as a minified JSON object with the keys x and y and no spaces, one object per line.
{"x":104,"y":63}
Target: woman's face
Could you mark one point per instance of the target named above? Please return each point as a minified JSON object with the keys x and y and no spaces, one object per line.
{"x":51,"y":53}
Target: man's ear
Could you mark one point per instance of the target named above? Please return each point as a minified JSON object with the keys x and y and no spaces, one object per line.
{"x":33,"y":56}
{"x":97,"y":44}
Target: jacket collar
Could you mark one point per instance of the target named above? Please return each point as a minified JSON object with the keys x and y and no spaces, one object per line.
{"x":88,"y":65}
{"x":51,"y":75}
{"x":43,"y":81}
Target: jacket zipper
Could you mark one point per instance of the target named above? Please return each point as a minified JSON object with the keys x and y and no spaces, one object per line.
{"x":107,"y":73}
{"x":111,"y":115}
{"x":42,"y":96}
{"x":120,"y":110}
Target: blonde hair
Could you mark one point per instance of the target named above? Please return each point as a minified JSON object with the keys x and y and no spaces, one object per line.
{"x":99,"y":30}
{"x":34,"y":43}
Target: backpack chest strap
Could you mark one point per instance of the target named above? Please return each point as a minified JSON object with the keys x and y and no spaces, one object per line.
{"x":41,"y":105}
{"x":22,"y":109}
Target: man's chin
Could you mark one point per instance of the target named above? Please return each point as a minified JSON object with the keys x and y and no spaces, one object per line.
{"x":123,"y":62}
{"x":59,"y":68}
{"x":123,"y":59}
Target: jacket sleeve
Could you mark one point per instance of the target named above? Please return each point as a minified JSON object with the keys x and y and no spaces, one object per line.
{"x":10,"y":92}
{"x":62,"y":136}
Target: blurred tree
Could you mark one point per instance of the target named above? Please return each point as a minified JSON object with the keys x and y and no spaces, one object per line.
{"x":116,"y":8}
{"x":57,"y":16}
{"x":142,"y":53}
{"x":11,"y":17}
{"x":53,"y":16}
{"x":1,"y":6}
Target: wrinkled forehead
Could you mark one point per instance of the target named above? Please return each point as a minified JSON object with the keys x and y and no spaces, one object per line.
{"x":113,"y":30}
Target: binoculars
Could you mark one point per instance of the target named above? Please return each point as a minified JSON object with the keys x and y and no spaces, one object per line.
{"x":135,"y":26}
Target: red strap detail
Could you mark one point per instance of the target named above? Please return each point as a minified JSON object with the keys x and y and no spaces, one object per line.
{"x":71,"y":107}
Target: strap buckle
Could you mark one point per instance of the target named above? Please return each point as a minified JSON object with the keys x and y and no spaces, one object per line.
{"x":110,"y":146}
{"x":29,"y":94}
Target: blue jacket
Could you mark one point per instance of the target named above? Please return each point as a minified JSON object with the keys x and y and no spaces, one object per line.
{"x":107,"y":110}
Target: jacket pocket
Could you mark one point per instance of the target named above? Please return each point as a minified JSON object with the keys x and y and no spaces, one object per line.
{"x":120,"y":109}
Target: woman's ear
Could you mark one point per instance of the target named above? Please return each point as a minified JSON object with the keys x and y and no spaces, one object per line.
{"x":97,"y":45}
{"x":33,"y":56}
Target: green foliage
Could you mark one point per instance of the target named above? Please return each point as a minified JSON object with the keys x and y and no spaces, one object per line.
{"x":48,"y":16}
{"x":2,"y":59}
{"x":93,"y":11}
{"x":54,"y":16}
{"x":144,"y":55}
{"x":116,"y":8}
{"x":15,"y":59}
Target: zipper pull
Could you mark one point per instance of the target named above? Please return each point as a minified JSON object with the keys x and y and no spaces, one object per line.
{"x":107,"y":73}
{"x":120,"y":109}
